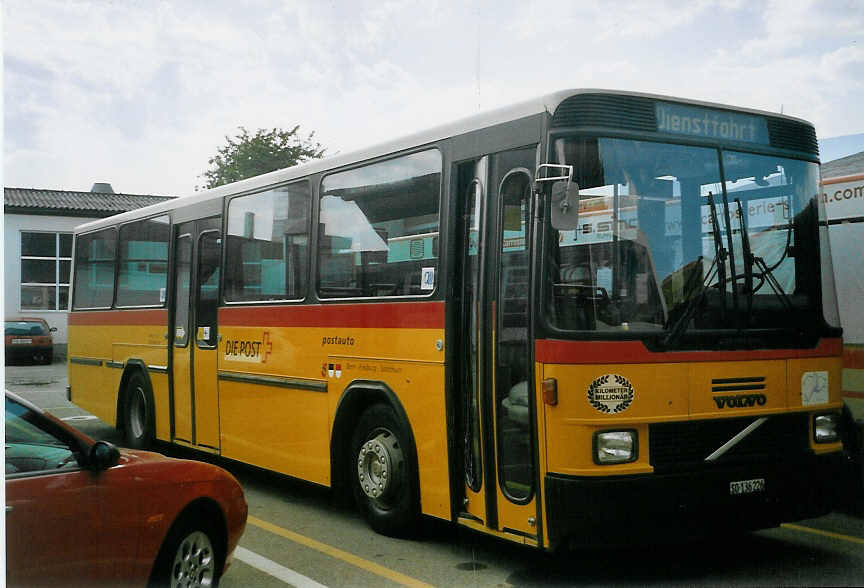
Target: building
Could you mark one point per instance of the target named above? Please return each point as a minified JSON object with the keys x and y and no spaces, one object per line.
{"x":37,"y":232}
{"x":843,"y":196}
{"x":845,"y":166}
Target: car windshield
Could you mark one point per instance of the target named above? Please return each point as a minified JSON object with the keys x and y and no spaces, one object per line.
{"x":30,"y":448}
{"x":677,"y":241}
{"x":25,"y":328}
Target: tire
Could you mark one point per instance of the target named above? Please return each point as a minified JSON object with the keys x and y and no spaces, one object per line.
{"x":383,"y":469}
{"x":138,"y":412}
{"x":49,"y":358}
{"x":189,"y":557}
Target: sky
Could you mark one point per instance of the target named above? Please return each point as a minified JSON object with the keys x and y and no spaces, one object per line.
{"x":141,"y":93}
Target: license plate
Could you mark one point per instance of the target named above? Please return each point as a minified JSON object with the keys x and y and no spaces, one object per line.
{"x":747,"y":486}
{"x":21,"y":341}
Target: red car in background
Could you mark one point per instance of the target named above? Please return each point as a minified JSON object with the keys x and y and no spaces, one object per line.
{"x":80,"y":512}
{"x":29,"y":338}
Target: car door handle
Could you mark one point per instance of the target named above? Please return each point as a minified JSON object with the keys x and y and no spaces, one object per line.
{"x":8,"y":508}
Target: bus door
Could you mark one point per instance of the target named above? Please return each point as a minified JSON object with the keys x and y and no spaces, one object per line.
{"x":497,"y":418}
{"x":198,"y":250}
{"x":471,"y":178}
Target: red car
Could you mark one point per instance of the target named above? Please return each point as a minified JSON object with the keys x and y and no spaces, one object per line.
{"x":30,"y":338}
{"x":80,"y":512}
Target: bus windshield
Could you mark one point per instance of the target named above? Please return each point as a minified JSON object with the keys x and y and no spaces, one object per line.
{"x":686,"y":246}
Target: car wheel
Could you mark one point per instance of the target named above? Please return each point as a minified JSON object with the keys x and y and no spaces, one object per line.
{"x":384,"y":472}
{"x":138,"y":415}
{"x":49,"y":357}
{"x":188,"y":558}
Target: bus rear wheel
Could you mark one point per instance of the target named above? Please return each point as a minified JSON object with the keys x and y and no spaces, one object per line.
{"x":138,"y":412}
{"x":384,"y":472}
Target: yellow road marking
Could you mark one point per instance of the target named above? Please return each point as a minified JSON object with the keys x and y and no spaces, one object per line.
{"x":350,"y":558}
{"x":839,"y":536}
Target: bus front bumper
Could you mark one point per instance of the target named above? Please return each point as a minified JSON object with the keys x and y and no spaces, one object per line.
{"x":623,"y":510}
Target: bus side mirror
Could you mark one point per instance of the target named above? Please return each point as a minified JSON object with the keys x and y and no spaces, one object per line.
{"x":565,"y":205}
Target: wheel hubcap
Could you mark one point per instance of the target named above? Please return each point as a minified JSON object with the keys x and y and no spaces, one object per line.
{"x":194,"y":564}
{"x":378,"y":466}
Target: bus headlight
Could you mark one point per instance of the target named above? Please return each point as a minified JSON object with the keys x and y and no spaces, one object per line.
{"x":611,"y":447}
{"x":826,"y":428}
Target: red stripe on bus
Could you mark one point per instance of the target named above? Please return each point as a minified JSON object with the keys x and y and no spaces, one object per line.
{"x":585,"y":352}
{"x":853,"y":357}
{"x":119,"y":317}
{"x":847,"y":394}
{"x":387,"y":315}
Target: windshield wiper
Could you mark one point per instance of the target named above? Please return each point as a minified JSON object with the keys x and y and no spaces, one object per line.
{"x":719,"y":254}
{"x":748,"y":260}
{"x":767,"y":273}
{"x":717,"y":268}
{"x":731,"y":258}
{"x":680,"y":326}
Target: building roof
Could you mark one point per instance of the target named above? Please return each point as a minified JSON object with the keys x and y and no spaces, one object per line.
{"x":68,"y":203}
{"x":845,"y":166}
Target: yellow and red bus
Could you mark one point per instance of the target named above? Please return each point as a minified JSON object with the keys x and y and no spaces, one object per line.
{"x":568,"y":321}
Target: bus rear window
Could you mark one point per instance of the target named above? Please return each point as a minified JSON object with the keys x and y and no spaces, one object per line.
{"x":379,"y":228}
{"x":95,"y":254}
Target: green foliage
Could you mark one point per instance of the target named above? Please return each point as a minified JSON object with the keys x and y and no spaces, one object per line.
{"x":247,"y":155}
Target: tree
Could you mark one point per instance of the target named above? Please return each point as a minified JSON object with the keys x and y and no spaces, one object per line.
{"x":247,"y":155}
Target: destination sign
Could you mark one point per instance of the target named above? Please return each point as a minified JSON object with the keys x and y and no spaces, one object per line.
{"x":693,"y":121}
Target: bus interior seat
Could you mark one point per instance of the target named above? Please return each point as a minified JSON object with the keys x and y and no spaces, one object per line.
{"x":515,"y":404}
{"x":383,"y":289}
{"x":411,"y":283}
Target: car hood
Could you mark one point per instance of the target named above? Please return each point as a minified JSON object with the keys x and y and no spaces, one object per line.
{"x":160,"y":468}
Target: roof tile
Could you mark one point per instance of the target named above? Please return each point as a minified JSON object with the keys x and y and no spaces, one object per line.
{"x":67,"y":202}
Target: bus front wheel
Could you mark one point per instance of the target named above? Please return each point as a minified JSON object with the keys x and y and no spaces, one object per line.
{"x":384,"y":472}
{"x":138,"y":412}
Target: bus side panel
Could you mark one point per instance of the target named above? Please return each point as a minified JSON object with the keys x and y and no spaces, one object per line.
{"x":276,"y":428}
{"x":89,"y":379}
{"x":420,"y":389}
{"x":285,"y":423}
{"x":101,"y":344}
{"x":153,"y":353}
{"x":162,"y":400}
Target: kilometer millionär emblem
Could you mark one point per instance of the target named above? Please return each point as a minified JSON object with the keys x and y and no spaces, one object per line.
{"x":610,"y":393}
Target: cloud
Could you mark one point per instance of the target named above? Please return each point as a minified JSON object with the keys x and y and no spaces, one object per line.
{"x":141,"y":94}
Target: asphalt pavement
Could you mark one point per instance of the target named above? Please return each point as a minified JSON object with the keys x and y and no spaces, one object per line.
{"x":297,"y":535}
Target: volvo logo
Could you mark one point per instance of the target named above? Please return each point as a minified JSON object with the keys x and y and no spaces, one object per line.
{"x":740,"y":401}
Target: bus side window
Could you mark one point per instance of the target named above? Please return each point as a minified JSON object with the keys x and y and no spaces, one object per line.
{"x":95,"y":254}
{"x":378,"y":234}
{"x":209,"y":254}
{"x":267,"y":250}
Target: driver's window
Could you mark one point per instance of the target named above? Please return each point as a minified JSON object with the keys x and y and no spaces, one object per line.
{"x":30,"y":448}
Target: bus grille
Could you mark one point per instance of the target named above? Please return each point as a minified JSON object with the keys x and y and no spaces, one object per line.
{"x":685,"y":445}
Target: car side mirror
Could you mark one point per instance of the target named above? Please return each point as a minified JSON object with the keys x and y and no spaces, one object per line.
{"x":565,"y":205}
{"x":102,"y":456}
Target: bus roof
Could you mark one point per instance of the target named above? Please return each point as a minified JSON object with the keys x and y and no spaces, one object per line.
{"x":543,"y":104}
